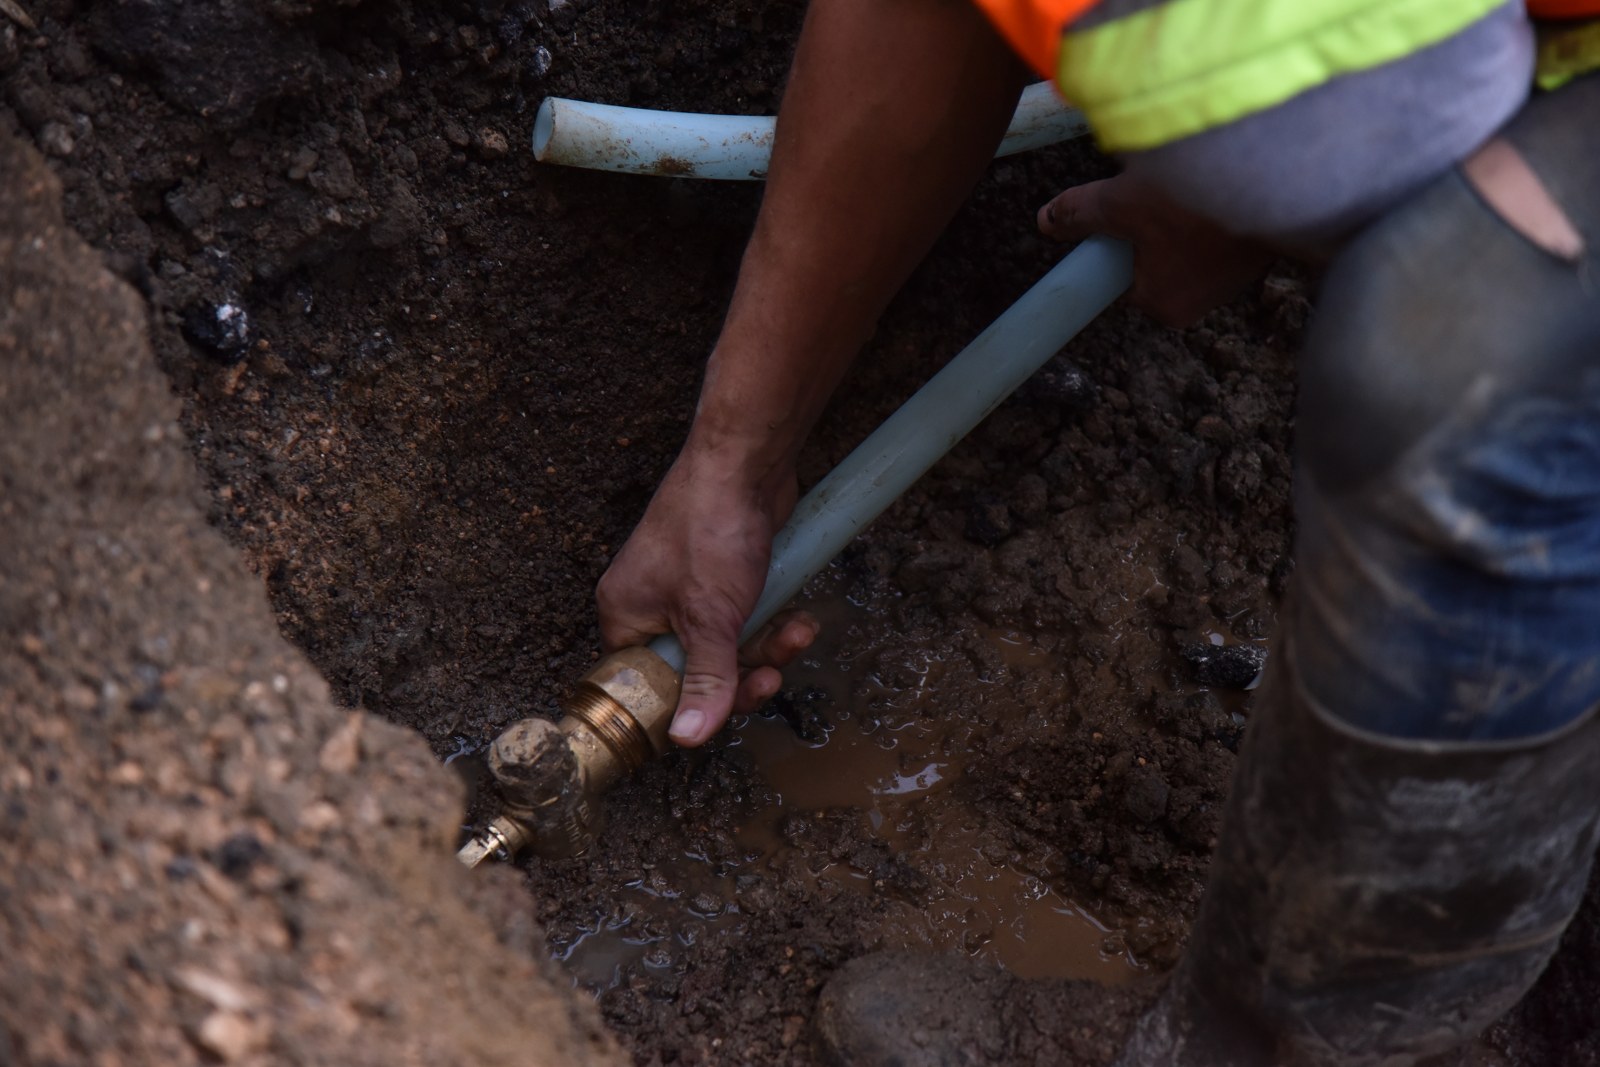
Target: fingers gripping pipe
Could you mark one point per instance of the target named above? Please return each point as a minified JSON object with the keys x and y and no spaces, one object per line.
{"x":617,"y":718}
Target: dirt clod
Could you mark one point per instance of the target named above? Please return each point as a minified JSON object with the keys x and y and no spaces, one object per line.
{"x":490,"y":143}
{"x":230,"y":1036}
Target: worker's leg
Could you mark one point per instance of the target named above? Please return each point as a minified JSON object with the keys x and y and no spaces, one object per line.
{"x":1449,"y":467}
{"x":1415,"y":812}
{"x":1374,"y":901}
{"x":1414,"y":816}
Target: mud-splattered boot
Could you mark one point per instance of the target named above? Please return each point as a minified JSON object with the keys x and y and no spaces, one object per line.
{"x":1374,"y":902}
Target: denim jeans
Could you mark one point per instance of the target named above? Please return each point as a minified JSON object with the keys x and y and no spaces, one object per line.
{"x":1448,"y":480}
{"x":1415,"y":811}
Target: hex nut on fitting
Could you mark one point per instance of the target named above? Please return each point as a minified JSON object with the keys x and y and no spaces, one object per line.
{"x":645,"y":685}
{"x":533,"y":764}
{"x":504,"y":834}
{"x":618,"y":715}
{"x":544,"y":788}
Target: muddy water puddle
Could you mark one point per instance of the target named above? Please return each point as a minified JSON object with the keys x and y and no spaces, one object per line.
{"x":843,"y":739}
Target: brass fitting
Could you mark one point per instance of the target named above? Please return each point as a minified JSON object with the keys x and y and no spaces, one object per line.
{"x":502,"y":834}
{"x":551,"y":777}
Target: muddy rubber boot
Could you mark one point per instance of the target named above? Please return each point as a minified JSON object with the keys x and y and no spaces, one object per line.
{"x":1374,"y":902}
{"x":926,"y":1009}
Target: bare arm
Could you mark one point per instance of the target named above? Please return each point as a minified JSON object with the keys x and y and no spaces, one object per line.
{"x":894,"y":108}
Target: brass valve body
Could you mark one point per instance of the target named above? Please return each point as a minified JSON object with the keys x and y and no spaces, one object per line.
{"x":552,"y":777}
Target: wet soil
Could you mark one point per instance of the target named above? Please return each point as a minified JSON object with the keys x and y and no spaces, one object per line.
{"x":431,"y":385}
{"x":891,"y":763}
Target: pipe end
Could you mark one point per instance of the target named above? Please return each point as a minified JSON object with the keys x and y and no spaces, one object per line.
{"x":475,"y":851}
{"x":544,"y":128}
{"x":501,"y":835}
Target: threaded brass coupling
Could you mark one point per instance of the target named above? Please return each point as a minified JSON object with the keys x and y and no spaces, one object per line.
{"x":551,"y":777}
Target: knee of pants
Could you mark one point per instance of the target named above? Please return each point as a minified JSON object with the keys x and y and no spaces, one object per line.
{"x":1449,"y":479}
{"x":1441,"y":303}
{"x":1437,"y":307}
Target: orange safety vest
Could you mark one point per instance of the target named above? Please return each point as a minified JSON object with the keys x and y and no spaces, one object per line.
{"x":1034,"y":27}
{"x":1173,"y":68}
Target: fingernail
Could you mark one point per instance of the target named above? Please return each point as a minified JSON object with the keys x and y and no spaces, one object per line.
{"x":687,"y":726}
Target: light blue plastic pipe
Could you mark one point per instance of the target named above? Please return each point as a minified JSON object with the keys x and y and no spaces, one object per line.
{"x":682,"y":144}
{"x":928,"y":425}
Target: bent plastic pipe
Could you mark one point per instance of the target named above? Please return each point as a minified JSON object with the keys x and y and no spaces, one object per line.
{"x":677,"y":144}
{"x":928,"y":425}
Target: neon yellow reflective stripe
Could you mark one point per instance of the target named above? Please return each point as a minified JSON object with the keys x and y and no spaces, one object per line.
{"x":1566,"y":52}
{"x":1189,"y":65}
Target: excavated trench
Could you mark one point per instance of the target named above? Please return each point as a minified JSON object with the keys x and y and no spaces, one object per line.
{"x":447,"y":381}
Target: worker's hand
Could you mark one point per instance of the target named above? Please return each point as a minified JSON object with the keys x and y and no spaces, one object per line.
{"x":1183,"y":264}
{"x":695,"y":566}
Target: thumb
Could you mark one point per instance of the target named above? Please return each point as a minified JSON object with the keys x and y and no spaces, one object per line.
{"x":1075,"y":213}
{"x":710,"y":678}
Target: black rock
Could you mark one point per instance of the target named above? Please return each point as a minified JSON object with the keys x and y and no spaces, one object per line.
{"x":151,"y":691}
{"x":1225,"y":666}
{"x":1064,"y":385}
{"x":222,"y":330}
{"x":180,"y":868}
{"x":238,"y":854}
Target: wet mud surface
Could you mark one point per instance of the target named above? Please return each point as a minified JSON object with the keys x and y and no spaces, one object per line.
{"x":431,"y":385}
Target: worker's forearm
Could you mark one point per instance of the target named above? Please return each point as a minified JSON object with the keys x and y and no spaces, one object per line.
{"x":893,"y":109}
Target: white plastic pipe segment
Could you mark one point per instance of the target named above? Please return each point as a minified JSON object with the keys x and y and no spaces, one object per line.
{"x":732,"y":147}
{"x":929,"y":424}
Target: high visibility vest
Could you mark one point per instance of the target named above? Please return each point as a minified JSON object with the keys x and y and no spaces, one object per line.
{"x":1167,"y":69}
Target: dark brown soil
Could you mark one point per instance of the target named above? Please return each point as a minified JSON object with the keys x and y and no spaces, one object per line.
{"x":431,"y":385}
{"x":205,"y":859}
